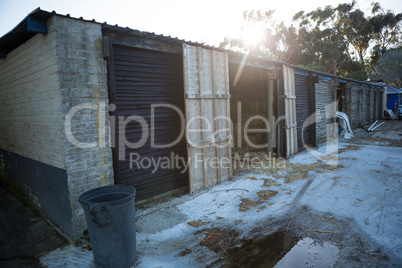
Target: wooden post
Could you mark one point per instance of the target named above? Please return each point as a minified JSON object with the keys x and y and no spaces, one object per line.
{"x":335,"y":84}
{"x":290,"y":110}
{"x":368,"y":105}
{"x":349,"y":100}
{"x":280,"y":126}
{"x":378,"y":113}
{"x":107,"y":48}
{"x":361,"y":105}
{"x":312,"y":80}
{"x":271,"y":117}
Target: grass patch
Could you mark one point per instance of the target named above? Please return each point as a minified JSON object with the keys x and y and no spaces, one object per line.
{"x":291,"y":171}
{"x":197,"y":224}
{"x":267,"y":194}
{"x":246,"y":204}
{"x":270,"y":183}
{"x":349,"y":148}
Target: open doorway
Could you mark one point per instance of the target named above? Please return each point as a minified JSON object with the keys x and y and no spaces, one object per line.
{"x":254,"y":114}
{"x":341,"y":97}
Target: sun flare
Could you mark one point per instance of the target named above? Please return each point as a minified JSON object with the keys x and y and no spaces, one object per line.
{"x":253,"y":33}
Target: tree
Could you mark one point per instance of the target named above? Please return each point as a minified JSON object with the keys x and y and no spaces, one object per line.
{"x":386,"y":26}
{"x":278,"y":42}
{"x":344,"y":31}
{"x":322,"y":38}
{"x":386,"y":31}
{"x":357,"y":29}
{"x":350,"y":31}
{"x":352,"y":69}
{"x":341,"y":40}
{"x":389,"y":68}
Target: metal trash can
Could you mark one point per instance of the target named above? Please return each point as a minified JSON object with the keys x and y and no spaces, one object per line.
{"x":110,"y":216}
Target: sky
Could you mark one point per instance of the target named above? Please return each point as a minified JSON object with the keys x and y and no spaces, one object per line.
{"x":206,"y":21}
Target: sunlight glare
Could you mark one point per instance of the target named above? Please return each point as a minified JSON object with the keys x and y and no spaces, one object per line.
{"x":254,"y":33}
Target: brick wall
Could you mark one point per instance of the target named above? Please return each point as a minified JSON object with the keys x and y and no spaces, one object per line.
{"x":325,"y":109}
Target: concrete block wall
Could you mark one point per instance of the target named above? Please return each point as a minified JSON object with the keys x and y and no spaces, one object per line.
{"x":369,"y":104}
{"x":30,"y":101}
{"x":355,"y":118}
{"x":364,"y":98}
{"x":365,"y":102}
{"x":32,"y":151}
{"x":372,"y":105}
{"x":83,"y":81}
{"x":40,"y":82}
{"x":325,"y":109}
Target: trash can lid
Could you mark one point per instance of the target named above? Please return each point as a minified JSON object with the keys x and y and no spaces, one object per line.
{"x":108,"y":195}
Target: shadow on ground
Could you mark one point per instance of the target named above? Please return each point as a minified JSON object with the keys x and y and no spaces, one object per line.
{"x":24,"y":235}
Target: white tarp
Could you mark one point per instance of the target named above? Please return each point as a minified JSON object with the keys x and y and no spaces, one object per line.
{"x":345,"y":124}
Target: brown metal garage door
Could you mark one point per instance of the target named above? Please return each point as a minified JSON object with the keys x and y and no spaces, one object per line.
{"x":303,"y":110}
{"x":142,"y":78}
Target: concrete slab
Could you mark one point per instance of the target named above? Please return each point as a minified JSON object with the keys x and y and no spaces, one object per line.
{"x":159,"y":220}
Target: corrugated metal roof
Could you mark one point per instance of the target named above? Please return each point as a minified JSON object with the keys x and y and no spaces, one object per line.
{"x":19,"y":35}
{"x":331,"y":76}
{"x":393,"y":90}
{"x":159,"y":37}
{"x":175,"y":40}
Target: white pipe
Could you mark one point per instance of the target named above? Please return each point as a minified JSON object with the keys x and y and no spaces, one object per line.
{"x":369,"y":129}
{"x":378,"y":126}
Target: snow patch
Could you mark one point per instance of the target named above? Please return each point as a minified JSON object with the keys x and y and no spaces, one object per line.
{"x":68,"y":257}
{"x":366,"y":188}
